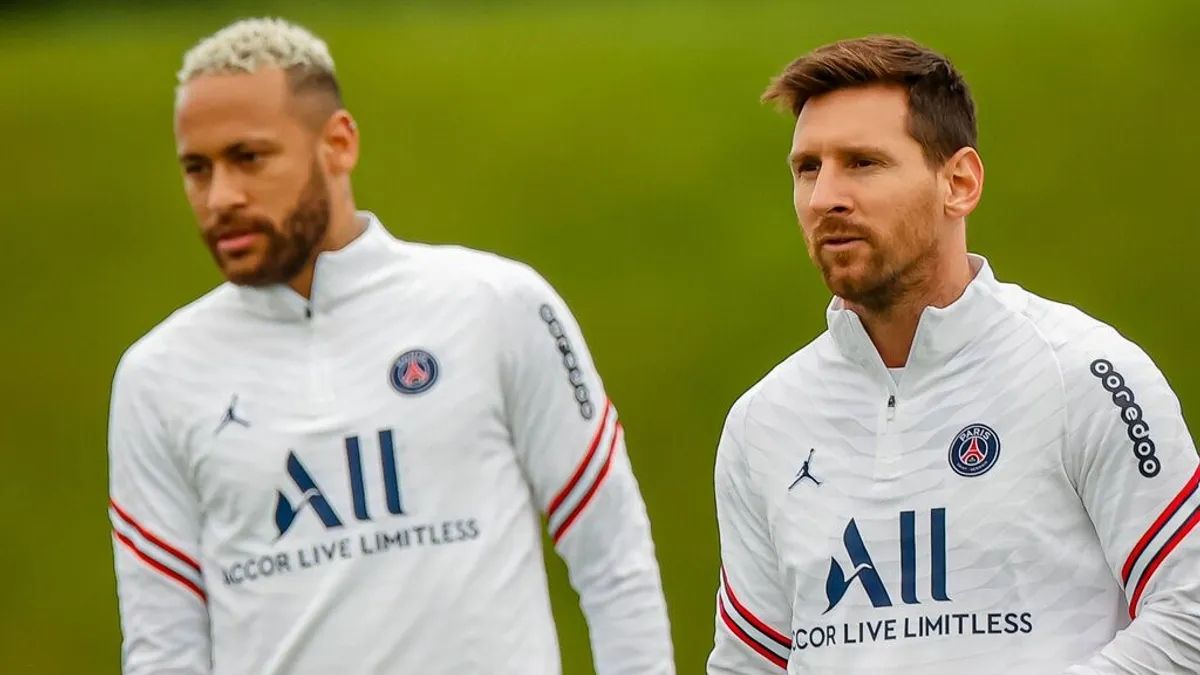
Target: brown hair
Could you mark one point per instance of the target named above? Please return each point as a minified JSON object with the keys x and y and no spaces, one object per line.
{"x":941,"y":114}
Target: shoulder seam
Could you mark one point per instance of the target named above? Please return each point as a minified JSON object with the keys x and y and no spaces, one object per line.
{"x":746,"y":447}
{"x":1062,"y":388}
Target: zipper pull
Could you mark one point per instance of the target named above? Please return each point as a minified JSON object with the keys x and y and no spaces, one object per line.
{"x":891,"y":407}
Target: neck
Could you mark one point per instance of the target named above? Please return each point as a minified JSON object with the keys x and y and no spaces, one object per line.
{"x":893,"y":328}
{"x":344,"y":227}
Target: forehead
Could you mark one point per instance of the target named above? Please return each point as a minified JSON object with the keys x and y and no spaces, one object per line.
{"x":869,"y":115}
{"x":215,"y":108}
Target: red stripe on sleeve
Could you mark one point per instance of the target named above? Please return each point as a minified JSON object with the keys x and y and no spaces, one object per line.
{"x":1159,"y":557}
{"x":179,"y":555}
{"x":749,"y":616}
{"x":562,"y":494}
{"x":163,"y":569}
{"x":1154,"y":529}
{"x":750,"y":642}
{"x":562,"y":530}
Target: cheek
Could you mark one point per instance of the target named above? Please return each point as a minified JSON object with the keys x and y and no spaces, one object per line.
{"x":280,"y":190}
{"x":801,"y":198}
{"x":197,"y":196}
{"x":800,"y":195}
{"x":913,"y":230}
{"x":806,"y":224}
{"x":903,"y":208}
{"x":269,"y":198}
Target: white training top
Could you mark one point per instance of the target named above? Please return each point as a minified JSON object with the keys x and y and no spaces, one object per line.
{"x":354,"y":484}
{"x":1019,"y":503}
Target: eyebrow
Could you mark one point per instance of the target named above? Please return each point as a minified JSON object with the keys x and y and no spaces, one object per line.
{"x":239,"y":146}
{"x":841,"y":151}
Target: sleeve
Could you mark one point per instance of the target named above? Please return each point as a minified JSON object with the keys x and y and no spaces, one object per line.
{"x":1135,"y":467}
{"x":753,"y":617}
{"x":572,"y":449}
{"x":156,"y":531}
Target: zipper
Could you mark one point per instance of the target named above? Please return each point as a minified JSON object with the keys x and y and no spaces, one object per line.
{"x":320,"y":391}
{"x":314,"y":377}
{"x":887,"y":448}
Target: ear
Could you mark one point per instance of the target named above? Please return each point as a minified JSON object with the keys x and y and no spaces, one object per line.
{"x":339,"y":140}
{"x":963,"y":174}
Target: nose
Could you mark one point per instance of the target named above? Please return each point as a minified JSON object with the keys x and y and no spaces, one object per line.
{"x":225,"y":192}
{"x":828,"y":194}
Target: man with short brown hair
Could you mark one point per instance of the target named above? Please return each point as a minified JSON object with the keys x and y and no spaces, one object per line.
{"x":958,"y":476}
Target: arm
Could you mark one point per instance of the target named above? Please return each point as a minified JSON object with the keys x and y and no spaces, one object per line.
{"x":572,"y":448}
{"x":753,"y":614}
{"x":1135,"y":467}
{"x":156,"y":532}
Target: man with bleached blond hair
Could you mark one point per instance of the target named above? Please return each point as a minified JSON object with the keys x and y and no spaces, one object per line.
{"x":336,"y":461}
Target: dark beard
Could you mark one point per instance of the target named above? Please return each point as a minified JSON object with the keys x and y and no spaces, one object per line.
{"x":889,"y":280}
{"x":290,"y":247}
{"x":881,"y":293}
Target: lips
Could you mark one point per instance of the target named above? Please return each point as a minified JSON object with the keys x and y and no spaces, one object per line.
{"x":837,"y":231}
{"x":839,"y":242}
{"x":236,"y":241}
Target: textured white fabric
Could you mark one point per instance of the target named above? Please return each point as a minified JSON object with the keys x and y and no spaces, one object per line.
{"x":353,"y":484}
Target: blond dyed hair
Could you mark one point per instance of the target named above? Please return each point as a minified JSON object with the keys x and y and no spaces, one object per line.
{"x":250,"y":45}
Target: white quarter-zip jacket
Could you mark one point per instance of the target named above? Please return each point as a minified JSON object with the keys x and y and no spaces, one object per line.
{"x":1020,"y":499}
{"x":355,"y":483}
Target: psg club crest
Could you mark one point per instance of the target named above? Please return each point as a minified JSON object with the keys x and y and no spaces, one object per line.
{"x":414,"y":372}
{"x":974,"y":451}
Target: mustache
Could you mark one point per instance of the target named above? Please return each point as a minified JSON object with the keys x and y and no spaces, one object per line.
{"x":233,"y":224}
{"x":837,"y":227}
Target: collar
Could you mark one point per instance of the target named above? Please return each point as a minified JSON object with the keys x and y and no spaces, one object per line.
{"x":338,"y":275}
{"x":941,"y":332}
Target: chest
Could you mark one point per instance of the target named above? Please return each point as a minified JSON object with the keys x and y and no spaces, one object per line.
{"x":346,"y":419}
{"x":915,"y":498}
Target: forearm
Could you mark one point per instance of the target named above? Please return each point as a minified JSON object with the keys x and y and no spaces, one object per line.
{"x":610,"y":555}
{"x":1164,"y":638}
{"x":164,"y":623}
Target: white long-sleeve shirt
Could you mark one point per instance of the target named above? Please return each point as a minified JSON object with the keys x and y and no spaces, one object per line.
{"x":354,"y":484}
{"x":1020,"y":498}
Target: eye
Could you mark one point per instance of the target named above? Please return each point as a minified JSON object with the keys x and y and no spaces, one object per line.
{"x":195,"y":168}
{"x":247,"y":157}
{"x":806,"y":168}
{"x":863,"y":163}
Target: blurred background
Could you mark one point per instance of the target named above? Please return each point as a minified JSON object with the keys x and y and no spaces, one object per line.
{"x":619,"y":148}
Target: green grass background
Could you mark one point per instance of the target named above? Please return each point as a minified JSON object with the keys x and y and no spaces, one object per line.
{"x":620,"y":149}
